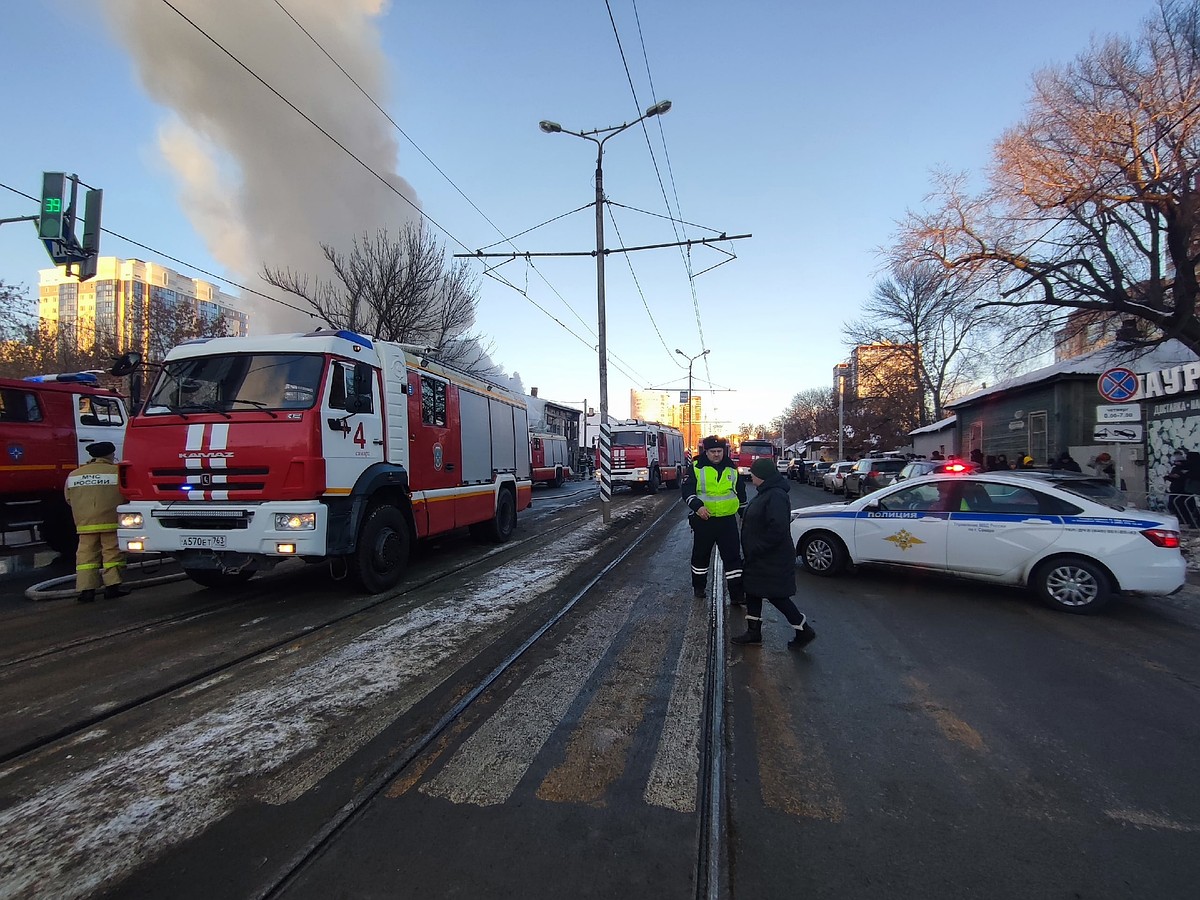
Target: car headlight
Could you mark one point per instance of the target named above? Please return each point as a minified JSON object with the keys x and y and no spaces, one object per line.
{"x":129,"y":520}
{"x":295,"y":521}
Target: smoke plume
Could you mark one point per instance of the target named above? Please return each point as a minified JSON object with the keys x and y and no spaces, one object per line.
{"x":259,"y":183}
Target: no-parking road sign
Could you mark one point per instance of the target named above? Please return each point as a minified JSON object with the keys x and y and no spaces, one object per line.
{"x":1118,"y":385}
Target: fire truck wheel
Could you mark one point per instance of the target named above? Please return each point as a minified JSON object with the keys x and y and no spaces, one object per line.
{"x":58,"y":532}
{"x":653,"y":484}
{"x":558,"y":478}
{"x":215,"y":578}
{"x":501,"y":526}
{"x":382,"y":552}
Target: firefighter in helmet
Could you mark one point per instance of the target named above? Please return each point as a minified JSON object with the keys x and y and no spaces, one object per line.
{"x":93,"y":494}
{"x":715,"y":495}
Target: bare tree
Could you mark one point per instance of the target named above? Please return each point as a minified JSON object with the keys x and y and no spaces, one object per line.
{"x":933,"y":321}
{"x":397,"y":290}
{"x":1094,"y":198}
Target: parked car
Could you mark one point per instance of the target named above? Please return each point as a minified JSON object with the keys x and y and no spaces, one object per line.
{"x":834,"y":480}
{"x":815,"y":472}
{"x":1094,"y":487}
{"x":796,"y":469}
{"x":872,"y":473}
{"x":920,"y":467}
{"x":1075,"y":553}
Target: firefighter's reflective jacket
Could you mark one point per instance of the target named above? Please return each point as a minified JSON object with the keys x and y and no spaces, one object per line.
{"x":93,"y":493}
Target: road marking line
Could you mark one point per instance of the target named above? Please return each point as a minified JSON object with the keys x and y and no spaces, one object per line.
{"x":598,"y":750}
{"x":488,"y":766}
{"x":673,"y":777}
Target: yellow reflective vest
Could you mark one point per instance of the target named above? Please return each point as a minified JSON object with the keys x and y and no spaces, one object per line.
{"x":93,"y":493}
{"x":717,"y":490}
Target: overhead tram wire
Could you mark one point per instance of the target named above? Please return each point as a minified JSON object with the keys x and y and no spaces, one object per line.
{"x":450,"y":181}
{"x":636,"y":283}
{"x":182,"y":262}
{"x":662,"y":188}
{"x":317,"y":126}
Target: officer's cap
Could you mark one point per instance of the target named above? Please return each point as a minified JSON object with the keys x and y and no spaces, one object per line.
{"x":713,"y":442}
{"x":101,"y":449}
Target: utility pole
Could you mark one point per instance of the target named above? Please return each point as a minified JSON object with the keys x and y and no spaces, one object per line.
{"x":600,"y":252}
{"x":843,"y":370}
{"x":690,"y":359}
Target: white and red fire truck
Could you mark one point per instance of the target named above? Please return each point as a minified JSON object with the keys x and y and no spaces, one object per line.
{"x":646,"y":455}
{"x":46,"y":422}
{"x":323,"y":446}
{"x":550,"y":456}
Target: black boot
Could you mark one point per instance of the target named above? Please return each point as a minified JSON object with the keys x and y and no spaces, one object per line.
{"x":737,"y":599}
{"x":698,"y":592}
{"x":804,"y":636}
{"x":113,"y":591}
{"x":753,"y":633}
{"x":86,"y":596}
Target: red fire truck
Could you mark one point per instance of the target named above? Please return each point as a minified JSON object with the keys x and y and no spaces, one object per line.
{"x":645,"y":455}
{"x":752,"y":450}
{"x":46,"y":421}
{"x":327,"y":446}
{"x":550,"y":457}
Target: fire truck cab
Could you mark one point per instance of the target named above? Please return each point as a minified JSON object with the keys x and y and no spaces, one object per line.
{"x":646,"y":455}
{"x":752,"y":450}
{"x":46,"y":422}
{"x":550,"y":458}
{"x":327,"y":446}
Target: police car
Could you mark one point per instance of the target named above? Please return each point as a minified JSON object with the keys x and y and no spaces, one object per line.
{"x":1074,"y":552}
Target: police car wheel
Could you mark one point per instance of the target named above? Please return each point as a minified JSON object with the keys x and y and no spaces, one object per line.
{"x":1073,"y":584}
{"x":823,"y":553}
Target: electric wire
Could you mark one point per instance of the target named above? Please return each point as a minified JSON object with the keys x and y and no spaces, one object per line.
{"x":449,"y":180}
{"x":686,"y":256}
{"x":177,"y":260}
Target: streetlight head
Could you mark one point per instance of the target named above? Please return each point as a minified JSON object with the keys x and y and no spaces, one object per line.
{"x":681,"y":353}
{"x":549,"y":127}
{"x":659,"y":108}
{"x":706,"y":352}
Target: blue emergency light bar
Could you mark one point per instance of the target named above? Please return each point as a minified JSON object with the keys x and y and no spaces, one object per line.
{"x":345,"y":334}
{"x":72,"y":377}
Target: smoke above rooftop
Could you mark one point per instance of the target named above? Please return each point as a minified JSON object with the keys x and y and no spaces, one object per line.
{"x":259,"y":183}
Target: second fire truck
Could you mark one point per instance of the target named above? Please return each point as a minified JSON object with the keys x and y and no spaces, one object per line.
{"x":327,"y":446}
{"x":646,"y":455}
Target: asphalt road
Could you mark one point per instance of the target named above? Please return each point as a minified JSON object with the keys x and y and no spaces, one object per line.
{"x":937,"y":740}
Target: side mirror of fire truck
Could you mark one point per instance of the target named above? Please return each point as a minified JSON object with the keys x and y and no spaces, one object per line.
{"x":125,"y":364}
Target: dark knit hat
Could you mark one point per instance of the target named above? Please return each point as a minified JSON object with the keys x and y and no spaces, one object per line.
{"x":712,"y":442}
{"x":101,"y":449}
{"x":763,"y":468}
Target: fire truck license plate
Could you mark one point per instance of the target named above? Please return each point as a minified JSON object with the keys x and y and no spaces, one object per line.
{"x":202,"y":542}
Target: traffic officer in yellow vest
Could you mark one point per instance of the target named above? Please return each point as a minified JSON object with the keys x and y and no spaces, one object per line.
{"x":93,"y":495}
{"x":715,"y":495}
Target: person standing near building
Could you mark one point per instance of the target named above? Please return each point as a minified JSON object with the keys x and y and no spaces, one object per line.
{"x":93,"y":494}
{"x":715,"y":495}
{"x":1177,"y":493}
{"x":769,"y":557}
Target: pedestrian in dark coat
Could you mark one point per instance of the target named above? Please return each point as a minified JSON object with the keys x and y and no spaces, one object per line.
{"x":769,"y":557}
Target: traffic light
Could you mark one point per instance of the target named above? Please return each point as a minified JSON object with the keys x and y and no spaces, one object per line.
{"x":52,"y":218}
{"x":91,"y":233}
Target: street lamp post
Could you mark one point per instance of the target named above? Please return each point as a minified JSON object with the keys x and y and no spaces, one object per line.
{"x":605,"y":434}
{"x":843,"y":369}
{"x":690,"y":359}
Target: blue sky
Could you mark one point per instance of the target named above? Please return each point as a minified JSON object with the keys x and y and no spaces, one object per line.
{"x":812,"y":127}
